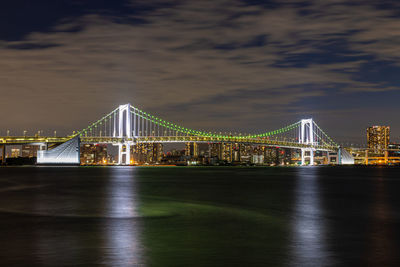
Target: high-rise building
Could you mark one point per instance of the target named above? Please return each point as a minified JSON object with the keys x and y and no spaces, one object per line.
{"x":378,"y":138}
{"x":226,"y":152}
{"x":245,"y":152}
{"x":158,"y":152}
{"x":148,"y":153}
{"x":192,"y":150}
{"x":214,"y":150}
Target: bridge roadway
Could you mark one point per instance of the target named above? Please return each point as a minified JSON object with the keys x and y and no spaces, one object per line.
{"x":22,"y":140}
{"x":32,"y":140}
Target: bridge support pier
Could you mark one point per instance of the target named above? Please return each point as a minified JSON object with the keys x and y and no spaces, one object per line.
{"x":303,"y":156}
{"x":124,"y":149}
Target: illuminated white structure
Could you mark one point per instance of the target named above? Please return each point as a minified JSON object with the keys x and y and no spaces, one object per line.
{"x":124,"y":110}
{"x":66,"y":153}
{"x":125,"y":132}
{"x":345,"y":157}
{"x":307,"y":136}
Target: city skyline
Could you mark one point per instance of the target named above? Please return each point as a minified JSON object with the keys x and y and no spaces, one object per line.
{"x":247,"y":66}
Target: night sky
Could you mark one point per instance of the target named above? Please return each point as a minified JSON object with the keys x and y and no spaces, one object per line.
{"x":213,"y":65}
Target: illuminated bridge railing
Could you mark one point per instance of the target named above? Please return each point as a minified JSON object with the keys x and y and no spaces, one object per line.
{"x":201,"y":139}
{"x":260,"y":141}
{"x":16,"y":140}
{"x":104,"y":139}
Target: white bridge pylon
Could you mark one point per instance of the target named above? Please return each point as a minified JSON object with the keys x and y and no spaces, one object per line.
{"x":307,"y":136}
{"x":307,"y":132}
{"x":124,"y":131}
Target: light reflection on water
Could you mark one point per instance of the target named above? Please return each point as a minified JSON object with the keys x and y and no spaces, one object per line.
{"x":308,"y":246}
{"x":123,"y":247}
{"x":114,"y":228}
{"x":121,"y":193}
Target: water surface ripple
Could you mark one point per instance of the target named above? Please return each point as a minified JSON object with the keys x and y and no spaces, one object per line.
{"x":199,"y":216}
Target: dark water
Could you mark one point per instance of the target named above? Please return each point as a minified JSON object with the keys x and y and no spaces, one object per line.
{"x":178,"y":216}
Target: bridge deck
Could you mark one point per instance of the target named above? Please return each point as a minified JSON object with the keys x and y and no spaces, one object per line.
{"x":23,"y":140}
{"x":197,"y":139}
{"x":19,"y":140}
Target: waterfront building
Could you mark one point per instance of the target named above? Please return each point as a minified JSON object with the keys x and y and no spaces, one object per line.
{"x":175,"y":157}
{"x":227,"y":152}
{"x":236,"y":153}
{"x":378,"y":138}
{"x":245,"y":152}
{"x":214,"y":150}
{"x":286,"y":155}
{"x":270,"y":155}
{"x":394,"y":150}
{"x":220,"y":152}
{"x":29,"y":151}
{"x":192,"y":150}
{"x":94,"y":154}
{"x":147,"y":153}
{"x":15,"y":152}
{"x":158,"y":152}
{"x":140,"y":153}
{"x":257,"y":159}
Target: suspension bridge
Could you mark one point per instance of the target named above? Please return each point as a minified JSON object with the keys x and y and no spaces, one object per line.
{"x":127,"y":125}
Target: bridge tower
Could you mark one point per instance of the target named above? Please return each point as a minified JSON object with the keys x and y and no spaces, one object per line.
{"x":124,"y":129}
{"x":307,"y":136}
